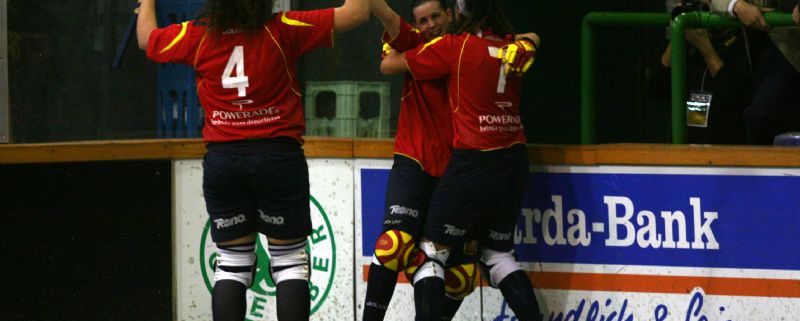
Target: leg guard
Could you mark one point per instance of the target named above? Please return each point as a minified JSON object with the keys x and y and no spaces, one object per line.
{"x":393,"y":250}
{"x":429,"y":284}
{"x":498,"y":265}
{"x":380,"y":289}
{"x":229,"y":301}
{"x":289,"y":262}
{"x":434,"y":262}
{"x":460,"y":280}
{"x":236,"y":263}
{"x":518,"y":291}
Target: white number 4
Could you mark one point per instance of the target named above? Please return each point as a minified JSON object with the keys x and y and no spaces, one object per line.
{"x":501,"y":82}
{"x":240,"y":81}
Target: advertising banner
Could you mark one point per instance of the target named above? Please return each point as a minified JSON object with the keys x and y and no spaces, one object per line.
{"x":330,"y":246}
{"x":600,"y":243}
{"x":639,"y":243}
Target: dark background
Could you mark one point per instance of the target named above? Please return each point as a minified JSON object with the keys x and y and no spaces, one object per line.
{"x":86,"y":241}
{"x":62,"y":86}
{"x":91,"y":241}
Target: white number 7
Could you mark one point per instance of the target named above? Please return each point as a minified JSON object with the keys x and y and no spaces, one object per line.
{"x":501,"y":82}
{"x":240,"y":81}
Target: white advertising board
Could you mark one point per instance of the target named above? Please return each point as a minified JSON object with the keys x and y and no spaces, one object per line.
{"x":600,"y":243}
{"x":331,"y":246}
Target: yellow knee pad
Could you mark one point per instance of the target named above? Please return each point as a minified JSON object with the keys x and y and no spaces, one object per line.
{"x":393,"y":249}
{"x":460,"y":280}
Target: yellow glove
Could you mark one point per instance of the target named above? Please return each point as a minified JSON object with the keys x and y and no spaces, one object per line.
{"x":518,"y":57}
{"x":386,"y":50}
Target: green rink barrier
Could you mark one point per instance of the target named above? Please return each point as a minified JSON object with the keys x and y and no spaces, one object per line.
{"x":679,"y":26}
{"x":678,"y":41}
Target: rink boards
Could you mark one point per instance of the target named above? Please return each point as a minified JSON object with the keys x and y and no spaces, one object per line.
{"x":599,"y":242}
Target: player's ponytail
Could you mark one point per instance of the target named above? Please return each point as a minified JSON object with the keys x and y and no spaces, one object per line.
{"x":244,"y":15}
{"x":482,"y":14}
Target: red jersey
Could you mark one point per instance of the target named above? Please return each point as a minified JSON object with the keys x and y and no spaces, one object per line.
{"x":247,"y":84}
{"x":424,"y":128}
{"x":485,"y":104}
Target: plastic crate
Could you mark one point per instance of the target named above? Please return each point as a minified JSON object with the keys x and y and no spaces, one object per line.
{"x":348,"y":118}
{"x":179,"y":113}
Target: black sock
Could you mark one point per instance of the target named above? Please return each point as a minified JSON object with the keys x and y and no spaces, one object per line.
{"x":429,"y":299}
{"x":380,"y":288}
{"x":228,"y":301}
{"x":293,"y":300}
{"x":451,"y":306}
{"x":518,"y":291}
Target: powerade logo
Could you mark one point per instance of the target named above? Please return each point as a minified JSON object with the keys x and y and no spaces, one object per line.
{"x":322,"y":249}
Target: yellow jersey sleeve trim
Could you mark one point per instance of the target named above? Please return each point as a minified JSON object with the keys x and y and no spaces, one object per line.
{"x":292,"y":22}
{"x":430,"y":43}
{"x":285,"y":62}
{"x":184,"y":26}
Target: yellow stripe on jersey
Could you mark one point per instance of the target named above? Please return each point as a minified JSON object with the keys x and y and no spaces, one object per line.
{"x":430,"y":43}
{"x":458,"y":76}
{"x":197,"y":54}
{"x":285,"y":62}
{"x":292,"y":22}
{"x":177,"y":39}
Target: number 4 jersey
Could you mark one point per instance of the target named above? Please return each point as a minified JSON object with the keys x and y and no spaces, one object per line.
{"x":247,"y":83}
{"x":484,"y":102}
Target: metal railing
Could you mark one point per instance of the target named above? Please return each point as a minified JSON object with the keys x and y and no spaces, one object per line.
{"x":678,"y":41}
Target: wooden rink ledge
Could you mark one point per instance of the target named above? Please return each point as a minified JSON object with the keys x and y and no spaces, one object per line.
{"x":325,"y":147}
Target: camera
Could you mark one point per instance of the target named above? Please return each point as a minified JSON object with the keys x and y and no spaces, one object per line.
{"x":690,"y":6}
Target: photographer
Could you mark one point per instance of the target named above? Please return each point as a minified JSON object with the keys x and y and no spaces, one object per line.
{"x":775,"y":52}
{"x":717,"y":68}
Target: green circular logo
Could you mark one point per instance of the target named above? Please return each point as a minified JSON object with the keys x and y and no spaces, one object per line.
{"x":321,"y":248}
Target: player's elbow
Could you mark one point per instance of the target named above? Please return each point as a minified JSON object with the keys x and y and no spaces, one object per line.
{"x":350,"y":16}
{"x":385,"y":68}
{"x":358,"y":17}
{"x":143,"y":35}
{"x":389,"y":67}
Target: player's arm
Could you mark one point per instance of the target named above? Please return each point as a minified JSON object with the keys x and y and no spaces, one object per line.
{"x":394,"y":63}
{"x":519,"y":56}
{"x":146,"y":22}
{"x":530,"y":36}
{"x":350,"y":15}
{"x":388,"y":17}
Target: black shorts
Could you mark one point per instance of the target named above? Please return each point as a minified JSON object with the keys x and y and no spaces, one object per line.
{"x":408,"y":196}
{"x":479,"y":197}
{"x":257,"y":186}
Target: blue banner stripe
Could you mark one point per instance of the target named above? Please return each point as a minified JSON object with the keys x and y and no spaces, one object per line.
{"x":716,"y":221}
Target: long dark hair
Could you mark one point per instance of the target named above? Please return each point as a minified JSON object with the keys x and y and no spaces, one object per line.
{"x":484,"y":14}
{"x":244,"y":15}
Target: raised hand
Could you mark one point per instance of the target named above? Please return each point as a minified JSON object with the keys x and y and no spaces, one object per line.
{"x":518,"y":56}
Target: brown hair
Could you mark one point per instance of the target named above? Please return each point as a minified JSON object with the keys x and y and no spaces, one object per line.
{"x":245,"y":15}
{"x":484,"y":14}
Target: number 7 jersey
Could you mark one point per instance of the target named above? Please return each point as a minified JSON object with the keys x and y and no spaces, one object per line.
{"x":247,"y":83}
{"x":484,"y":102}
